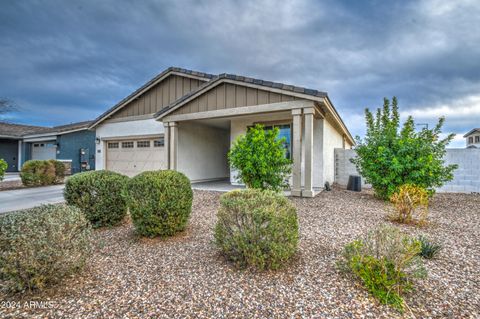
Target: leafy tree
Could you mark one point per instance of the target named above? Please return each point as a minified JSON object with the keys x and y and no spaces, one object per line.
{"x":389,"y":157}
{"x":259,"y":157}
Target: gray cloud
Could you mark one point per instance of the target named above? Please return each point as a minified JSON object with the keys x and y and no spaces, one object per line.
{"x":64,"y":61}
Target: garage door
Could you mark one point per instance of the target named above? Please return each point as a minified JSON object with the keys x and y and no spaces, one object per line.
{"x":44,"y":150}
{"x":130,"y":157}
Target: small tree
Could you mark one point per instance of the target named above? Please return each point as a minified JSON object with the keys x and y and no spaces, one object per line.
{"x":259,"y":157}
{"x":389,"y":157}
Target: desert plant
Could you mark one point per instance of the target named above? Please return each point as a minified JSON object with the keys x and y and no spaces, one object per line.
{"x":59,"y":171}
{"x":428,"y":249}
{"x":160,"y":202}
{"x":100,"y":195}
{"x":259,"y":156}
{"x":38,"y":173}
{"x":386,"y":261}
{"x":389,"y":157}
{"x":411,"y":205}
{"x":3,"y":168}
{"x":256,"y":228}
{"x":41,"y":245}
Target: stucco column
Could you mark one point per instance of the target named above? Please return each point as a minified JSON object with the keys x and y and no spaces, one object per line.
{"x":19,"y":156}
{"x":166,"y":143}
{"x":173,"y":145}
{"x":308,"y":140}
{"x":297,"y":153}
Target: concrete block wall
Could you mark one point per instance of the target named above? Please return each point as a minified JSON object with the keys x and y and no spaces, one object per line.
{"x":466,"y":177}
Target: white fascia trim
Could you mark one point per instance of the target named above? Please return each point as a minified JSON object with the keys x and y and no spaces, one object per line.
{"x":239,"y":111}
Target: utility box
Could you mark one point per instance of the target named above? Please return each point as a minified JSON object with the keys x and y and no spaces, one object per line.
{"x":354,"y":183}
{"x":84,"y":156}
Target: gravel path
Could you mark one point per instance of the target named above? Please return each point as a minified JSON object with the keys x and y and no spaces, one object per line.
{"x":185,"y":276}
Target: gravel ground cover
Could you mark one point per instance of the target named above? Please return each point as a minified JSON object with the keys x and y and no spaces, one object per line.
{"x":8,"y":185}
{"x":185,"y":277}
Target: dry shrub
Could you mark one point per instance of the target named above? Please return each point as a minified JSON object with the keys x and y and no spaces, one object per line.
{"x":411,"y":205}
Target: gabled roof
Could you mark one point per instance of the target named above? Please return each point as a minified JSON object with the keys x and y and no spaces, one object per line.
{"x":472,"y":131}
{"x":268,"y":85}
{"x":11,"y":130}
{"x":148,"y":85}
{"x":244,"y":79}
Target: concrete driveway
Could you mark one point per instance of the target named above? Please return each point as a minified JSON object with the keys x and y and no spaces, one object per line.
{"x":30,"y":197}
{"x":11,"y":177}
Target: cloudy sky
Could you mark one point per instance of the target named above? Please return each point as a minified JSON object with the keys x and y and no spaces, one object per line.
{"x":67,"y":61}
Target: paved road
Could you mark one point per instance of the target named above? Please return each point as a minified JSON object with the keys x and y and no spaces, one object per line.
{"x":30,"y":197}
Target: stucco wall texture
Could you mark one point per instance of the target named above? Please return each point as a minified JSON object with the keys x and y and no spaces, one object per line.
{"x":466,"y":177}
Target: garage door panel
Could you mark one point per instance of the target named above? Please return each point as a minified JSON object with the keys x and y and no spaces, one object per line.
{"x":132,"y":161}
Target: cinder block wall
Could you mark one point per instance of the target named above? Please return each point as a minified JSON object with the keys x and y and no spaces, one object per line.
{"x":466,"y":177}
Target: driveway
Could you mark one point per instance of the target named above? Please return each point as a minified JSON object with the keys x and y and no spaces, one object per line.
{"x":11,"y":177}
{"x":30,"y":197}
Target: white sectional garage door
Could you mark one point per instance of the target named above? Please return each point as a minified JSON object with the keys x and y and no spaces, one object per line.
{"x":130,"y":157}
{"x":44,"y":150}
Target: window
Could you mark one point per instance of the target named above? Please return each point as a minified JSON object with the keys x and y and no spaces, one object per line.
{"x":143,"y":144}
{"x":127,"y":144}
{"x":113,"y":145}
{"x":285,"y":131}
{"x":470,"y":140}
{"x":36,"y":145}
{"x":477,"y":139}
{"x":158,"y":143}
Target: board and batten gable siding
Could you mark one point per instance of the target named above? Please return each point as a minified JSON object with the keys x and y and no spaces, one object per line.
{"x":228,"y":95}
{"x":158,"y":97}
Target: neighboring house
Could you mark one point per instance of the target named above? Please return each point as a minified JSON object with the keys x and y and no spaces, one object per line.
{"x":187,"y":121}
{"x":70,"y":143}
{"x":473,"y":138}
{"x":12,"y":149}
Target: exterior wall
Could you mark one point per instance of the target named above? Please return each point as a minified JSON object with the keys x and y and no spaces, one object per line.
{"x":332,"y":139}
{"x":9,"y":153}
{"x":161,"y":95}
{"x":123,"y":129}
{"x":466,"y":177}
{"x":202,"y":151}
{"x":70,"y":145}
{"x":227,"y":95}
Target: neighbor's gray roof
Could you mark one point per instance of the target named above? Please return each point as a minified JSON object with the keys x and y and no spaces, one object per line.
{"x":204,"y":75}
{"x":472,"y":131}
{"x":269,"y":84}
{"x":19,"y":130}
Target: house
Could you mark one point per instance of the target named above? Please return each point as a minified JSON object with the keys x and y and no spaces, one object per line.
{"x":72,"y":143}
{"x":187,"y":121}
{"x":473,"y":138}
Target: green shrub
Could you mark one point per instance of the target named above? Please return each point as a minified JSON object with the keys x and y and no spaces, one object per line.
{"x":59,"y":171}
{"x":42,"y":172}
{"x":256,"y":228}
{"x":386,"y":262}
{"x":389,"y":157}
{"x":259,"y":156}
{"x":428,"y":249}
{"x":160,"y":202}
{"x":100,"y":195}
{"x":3,"y":168}
{"x":41,"y":245}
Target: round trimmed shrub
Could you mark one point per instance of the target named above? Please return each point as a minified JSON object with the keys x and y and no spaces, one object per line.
{"x":160,"y":202}
{"x":256,"y":228}
{"x":41,"y":245}
{"x":100,"y":195}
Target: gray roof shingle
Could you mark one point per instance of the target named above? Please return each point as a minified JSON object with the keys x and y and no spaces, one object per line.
{"x":20,"y":130}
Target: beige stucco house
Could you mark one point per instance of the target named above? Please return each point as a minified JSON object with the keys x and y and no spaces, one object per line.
{"x":187,"y":121}
{"x":472,"y":138}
